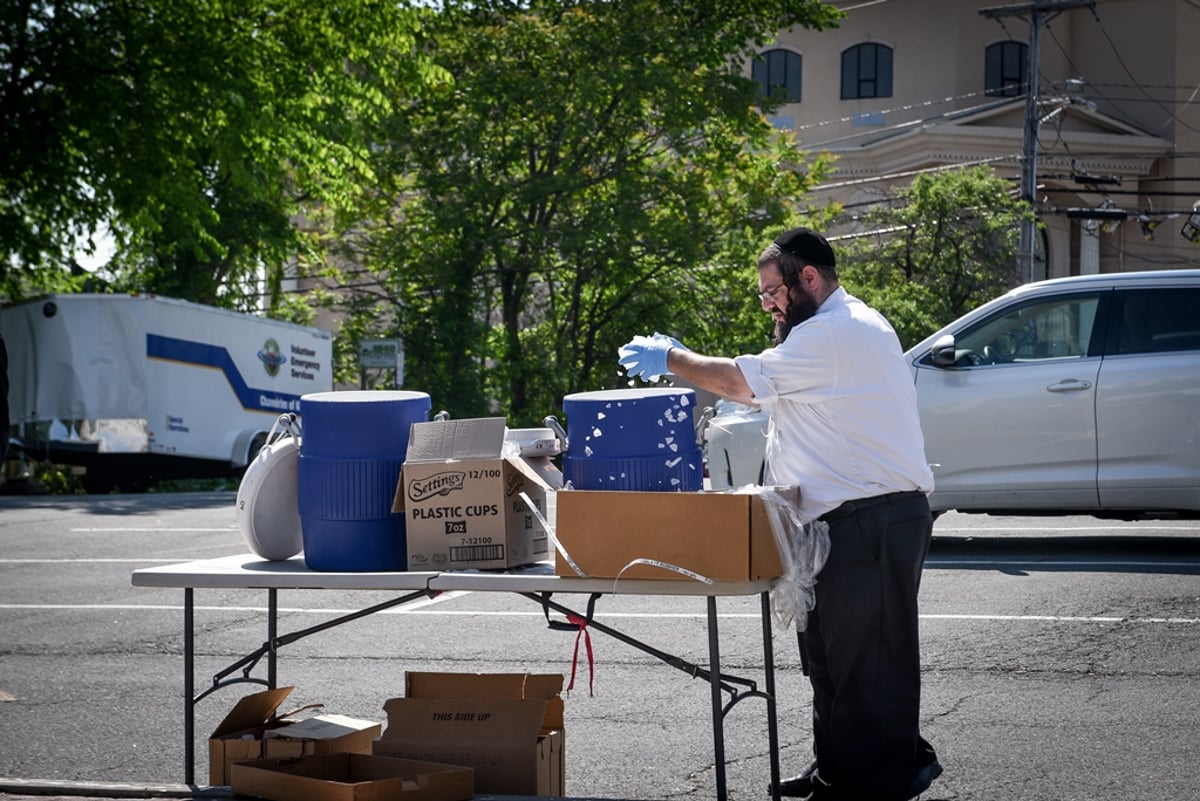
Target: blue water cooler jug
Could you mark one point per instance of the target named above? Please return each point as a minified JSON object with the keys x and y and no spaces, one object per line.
{"x":633,"y":439}
{"x":350,"y":458}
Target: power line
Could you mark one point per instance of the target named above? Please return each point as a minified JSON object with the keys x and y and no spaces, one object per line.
{"x":905,"y":107}
{"x":1120,"y":99}
{"x":884,"y":131}
{"x":1143,"y":88}
{"x":1116,"y":154}
{"x":1079,"y":72}
{"x":931,"y":102}
{"x":1112,"y":85}
{"x":1124,"y":66}
{"x":911,"y":173}
{"x":1013,"y":158}
{"x":1106,"y":191}
{"x":1039,"y":13}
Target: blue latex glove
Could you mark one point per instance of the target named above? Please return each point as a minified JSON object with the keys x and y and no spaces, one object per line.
{"x":646,"y":357}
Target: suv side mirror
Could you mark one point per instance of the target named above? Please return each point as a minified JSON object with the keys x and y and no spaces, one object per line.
{"x":942,"y":354}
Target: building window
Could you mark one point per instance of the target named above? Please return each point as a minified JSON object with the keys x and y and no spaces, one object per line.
{"x":778,"y":75}
{"x":1005,"y":69}
{"x":866,"y":71}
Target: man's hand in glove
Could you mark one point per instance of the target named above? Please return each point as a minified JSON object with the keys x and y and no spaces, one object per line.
{"x":646,"y":357}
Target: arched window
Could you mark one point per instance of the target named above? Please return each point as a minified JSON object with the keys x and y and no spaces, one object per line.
{"x":1005,"y":71}
{"x":866,"y":71}
{"x":778,"y":74}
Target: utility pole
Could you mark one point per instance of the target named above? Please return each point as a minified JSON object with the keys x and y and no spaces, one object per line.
{"x":1039,"y":14}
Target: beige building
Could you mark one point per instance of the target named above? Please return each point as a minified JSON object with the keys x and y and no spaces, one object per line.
{"x":908,"y":85}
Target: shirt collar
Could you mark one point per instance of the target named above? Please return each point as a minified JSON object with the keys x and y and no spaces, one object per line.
{"x":836,"y":299}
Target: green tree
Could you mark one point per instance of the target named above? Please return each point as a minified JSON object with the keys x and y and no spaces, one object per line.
{"x":195,"y":130}
{"x":943,"y":245}
{"x":594,"y":171}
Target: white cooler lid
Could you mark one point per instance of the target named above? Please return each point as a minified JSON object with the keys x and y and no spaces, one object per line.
{"x":268,"y":505}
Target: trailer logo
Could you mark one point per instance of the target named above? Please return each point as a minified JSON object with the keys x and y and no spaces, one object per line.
{"x":272,"y":357}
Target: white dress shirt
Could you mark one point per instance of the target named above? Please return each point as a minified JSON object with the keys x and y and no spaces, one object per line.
{"x":843,"y":408}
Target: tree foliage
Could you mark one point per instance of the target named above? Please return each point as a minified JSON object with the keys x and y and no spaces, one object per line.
{"x":943,"y":245}
{"x":595,"y":170}
{"x":194,"y":130}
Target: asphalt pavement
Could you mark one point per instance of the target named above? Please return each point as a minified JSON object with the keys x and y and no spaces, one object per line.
{"x":17,"y":790}
{"x":1058,"y":655}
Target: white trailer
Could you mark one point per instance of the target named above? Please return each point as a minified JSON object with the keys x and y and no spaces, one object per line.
{"x":138,"y":387}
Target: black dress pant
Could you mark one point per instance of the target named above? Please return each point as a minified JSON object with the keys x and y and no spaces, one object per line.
{"x":862,"y":648}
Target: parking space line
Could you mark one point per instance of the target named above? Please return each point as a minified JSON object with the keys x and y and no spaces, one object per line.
{"x":1119,"y":564}
{"x":415,"y":610}
{"x":1186,"y":526}
{"x":940,"y":563}
{"x":154,"y":529}
{"x":114,"y":560}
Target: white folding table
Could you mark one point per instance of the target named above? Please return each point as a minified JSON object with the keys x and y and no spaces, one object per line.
{"x":537,"y":583}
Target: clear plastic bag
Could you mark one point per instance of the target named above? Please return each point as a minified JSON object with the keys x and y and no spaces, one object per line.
{"x":803,"y":548}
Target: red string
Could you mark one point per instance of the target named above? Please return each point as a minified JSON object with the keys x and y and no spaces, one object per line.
{"x":587,"y":641}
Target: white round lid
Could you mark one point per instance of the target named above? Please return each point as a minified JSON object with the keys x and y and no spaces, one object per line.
{"x":268,"y":506}
{"x":535,"y":441}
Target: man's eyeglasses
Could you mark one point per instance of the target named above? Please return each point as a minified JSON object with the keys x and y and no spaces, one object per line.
{"x":769,"y":294}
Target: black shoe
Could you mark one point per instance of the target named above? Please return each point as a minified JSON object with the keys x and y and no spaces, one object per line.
{"x":820,"y":790}
{"x":799,"y":786}
{"x":925,"y":776}
{"x":804,"y":787}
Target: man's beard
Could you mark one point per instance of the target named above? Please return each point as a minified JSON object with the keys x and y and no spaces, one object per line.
{"x":798,"y":310}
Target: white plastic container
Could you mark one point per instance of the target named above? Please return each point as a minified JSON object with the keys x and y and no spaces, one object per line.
{"x":735,"y":442}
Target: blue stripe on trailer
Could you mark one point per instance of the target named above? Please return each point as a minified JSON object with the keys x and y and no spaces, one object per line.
{"x":216,"y":357}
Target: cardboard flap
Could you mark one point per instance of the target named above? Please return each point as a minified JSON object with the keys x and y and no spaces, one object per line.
{"x":421,"y":684}
{"x":322,"y":727}
{"x":464,"y":685}
{"x":548,"y":686}
{"x":291,"y":713}
{"x":351,"y":776}
{"x":455,"y":440}
{"x":492,"y":686}
{"x":461,"y":722}
{"x":547,"y":470}
{"x":543,"y":685}
{"x":252,"y":711}
{"x":547,"y":478}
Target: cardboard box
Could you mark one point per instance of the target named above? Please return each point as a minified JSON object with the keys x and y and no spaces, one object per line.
{"x":252,"y":730}
{"x":461,"y":498}
{"x":723,"y":536}
{"x":351,"y":777}
{"x":507,"y":727}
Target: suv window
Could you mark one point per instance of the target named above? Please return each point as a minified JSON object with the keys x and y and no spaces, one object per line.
{"x":1037,"y":330}
{"x":1157,"y":320}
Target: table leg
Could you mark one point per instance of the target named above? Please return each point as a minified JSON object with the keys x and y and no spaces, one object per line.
{"x":272,"y":635}
{"x":714,"y":668}
{"x":772,"y":707}
{"x":189,"y":689}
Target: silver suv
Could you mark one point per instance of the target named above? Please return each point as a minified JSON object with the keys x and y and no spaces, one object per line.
{"x":1076,"y":394}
